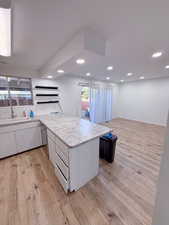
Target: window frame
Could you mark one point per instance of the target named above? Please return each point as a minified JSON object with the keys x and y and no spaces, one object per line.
{"x":9,"y":90}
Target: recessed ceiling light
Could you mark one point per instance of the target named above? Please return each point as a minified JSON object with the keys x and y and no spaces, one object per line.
{"x":110,"y":68}
{"x":107,"y":78}
{"x":141,"y":78}
{"x":60,"y":71}
{"x":80,"y":61}
{"x":129,"y":74}
{"x":167,"y":66}
{"x":88,"y":74}
{"x":157,"y":54}
{"x":50,"y":77}
{"x":121,"y":81}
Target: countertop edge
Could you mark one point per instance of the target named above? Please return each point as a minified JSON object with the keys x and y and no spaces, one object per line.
{"x":73,"y":146}
{"x":10,"y":123}
{"x":35,"y":119}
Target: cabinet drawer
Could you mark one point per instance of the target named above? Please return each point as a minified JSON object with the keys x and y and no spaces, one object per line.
{"x":61,"y":178}
{"x":51,"y":135}
{"x":61,"y":144}
{"x":63,"y":154}
{"x":62,"y":166}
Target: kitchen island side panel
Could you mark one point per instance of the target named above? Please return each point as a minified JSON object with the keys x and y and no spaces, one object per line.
{"x":83,"y":163}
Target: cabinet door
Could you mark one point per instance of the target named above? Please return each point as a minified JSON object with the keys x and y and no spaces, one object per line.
{"x":83,"y":163}
{"x":44,"y":135}
{"x":51,"y":148}
{"x":28,"y":138}
{"x":7,"y":144}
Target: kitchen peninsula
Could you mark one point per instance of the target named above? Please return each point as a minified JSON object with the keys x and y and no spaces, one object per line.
{"x":73,"y":145}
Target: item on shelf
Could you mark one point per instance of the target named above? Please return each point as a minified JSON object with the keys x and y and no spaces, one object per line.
{"x":24,"y":113}
{"x":32,"y":114}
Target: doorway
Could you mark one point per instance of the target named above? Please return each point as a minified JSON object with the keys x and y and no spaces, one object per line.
{"x":85,"y":103}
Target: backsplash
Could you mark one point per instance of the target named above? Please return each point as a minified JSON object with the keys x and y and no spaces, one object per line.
{"x":5,"y":112}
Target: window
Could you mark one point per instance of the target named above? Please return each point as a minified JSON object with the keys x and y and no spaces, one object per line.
{"x":15,"y":91}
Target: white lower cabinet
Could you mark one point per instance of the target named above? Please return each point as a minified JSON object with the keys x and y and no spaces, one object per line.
{"x":51,"y":148}
{"x":44,"y":135}
{"x":7,"y":144}
{"x":19,"y":138}
{"x":28,"y":138}
{"x":63,"y":167}
{"x":76,"y":166}
{"x":61,"y":179}
{"x":83,"y":164}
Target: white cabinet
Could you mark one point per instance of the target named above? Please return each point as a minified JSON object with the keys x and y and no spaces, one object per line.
{"x":83,"y":163}
{"x":19,"y":138}
{"x":51,"y":148}
{"x":7,"y":144}
{"x":28,"y":138}
{"x":74,"y":167}
{"x":44,"y":135}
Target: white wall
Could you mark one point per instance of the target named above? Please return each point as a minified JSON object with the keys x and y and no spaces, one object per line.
{"x":161,"y":213}
{"x":115,"y":104}
{"x":70,"y":95}
{"x":146,"y":101}
{"x":44,"y":108}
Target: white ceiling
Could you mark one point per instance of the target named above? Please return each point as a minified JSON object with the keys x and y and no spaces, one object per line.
{"x":134,"y":29}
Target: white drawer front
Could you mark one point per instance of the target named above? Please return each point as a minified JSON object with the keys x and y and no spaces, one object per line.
{"x":61,"y":178}
{"x":62,"y":166}
{"x":62,"y":146}
{"x":51,"y":135}
{"x":63,"y":154}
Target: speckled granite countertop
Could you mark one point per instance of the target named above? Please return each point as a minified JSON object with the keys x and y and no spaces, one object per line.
{"x":73,"y":131}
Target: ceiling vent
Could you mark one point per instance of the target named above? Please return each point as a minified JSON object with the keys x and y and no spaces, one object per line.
{"x":83,"y":84}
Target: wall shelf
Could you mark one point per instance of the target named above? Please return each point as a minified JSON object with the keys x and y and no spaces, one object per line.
{"x":46,"y":87}
{"x":48,"y":95}
{"x":47,"y":102}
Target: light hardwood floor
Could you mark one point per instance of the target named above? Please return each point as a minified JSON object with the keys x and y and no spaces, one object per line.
{"x":122,"y":194}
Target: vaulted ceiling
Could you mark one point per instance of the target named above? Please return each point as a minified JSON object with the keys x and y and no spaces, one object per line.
{"x":133,"y":31}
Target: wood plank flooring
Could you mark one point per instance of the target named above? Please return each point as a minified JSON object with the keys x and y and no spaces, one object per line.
{"x":122,"y":194}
